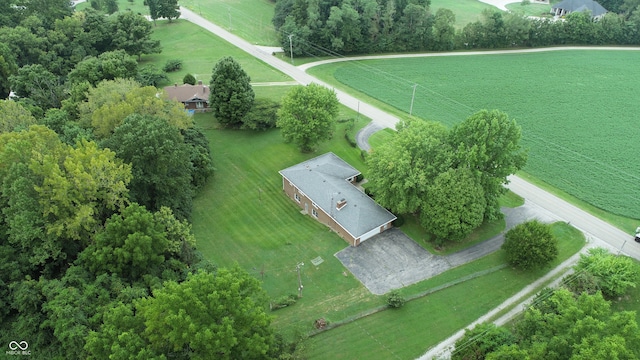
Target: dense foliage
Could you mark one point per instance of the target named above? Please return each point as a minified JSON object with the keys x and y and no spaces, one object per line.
{"x":231,"y":94}
{"x":600,"y":270}
{"x":308,"y":115}
{"x":557,"y":325}
{"x":368,"y":26}
{"x":530,"y":245}
{"x":450,"y":178}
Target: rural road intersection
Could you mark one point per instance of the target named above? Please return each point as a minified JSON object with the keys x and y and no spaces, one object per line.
{"x":596,"y":231}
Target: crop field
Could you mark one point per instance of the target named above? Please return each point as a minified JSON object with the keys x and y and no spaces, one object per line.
{"x":578,"y":110}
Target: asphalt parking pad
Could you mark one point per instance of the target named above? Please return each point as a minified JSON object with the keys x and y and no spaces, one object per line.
{"x":391,"y":260}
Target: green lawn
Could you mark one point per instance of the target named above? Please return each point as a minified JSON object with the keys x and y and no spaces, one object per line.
{"x":466,"y":11}
{"x":408,"y":332}
{"x":531,"y":9}
{"x":249,"y":19}
{"x":559,"y":113}
{"x":201,"y":52}
{"x":136,"y":6}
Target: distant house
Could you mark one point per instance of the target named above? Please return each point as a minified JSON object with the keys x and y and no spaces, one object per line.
{"x":568,"y":6}
{"x":324,"y":188}
{"x":194,"y":97}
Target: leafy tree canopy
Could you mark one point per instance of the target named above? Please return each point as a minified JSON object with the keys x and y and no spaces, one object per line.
{"x":308,"y":115}
{"x":14,"y":117}
{"x":231,"y":93}
{"x":600,"y":270}
{"x":209,"y":316}
{"x":530,"y":245}
{"x":132,"y":33}
{"x":160,"y":162}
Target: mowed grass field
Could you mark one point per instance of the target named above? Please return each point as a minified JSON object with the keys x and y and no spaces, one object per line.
{"x":249,"y":19}
{"x":408,"y":332}
{"x":199,"y":51}
{"x":577,"y":110}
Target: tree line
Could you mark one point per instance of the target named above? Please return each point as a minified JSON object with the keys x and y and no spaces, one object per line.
{"x":97,"y":176}
{"x":578,"y":320}
{"x":322,"y":27}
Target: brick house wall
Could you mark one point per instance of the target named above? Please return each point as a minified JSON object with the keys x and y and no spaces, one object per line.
{"x":316,"y":212}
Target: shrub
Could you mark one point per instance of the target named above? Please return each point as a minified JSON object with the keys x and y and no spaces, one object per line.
{"x":530,"y":245}
{"x":359,"y":178}
{"x":603,"y":271}
{"x":350,"y":139}
{"x":172,"y":65}
{"x":149,"y":75}
{"x":395,"y":300}
{"x":364,"y":154}
{"x":283,"y":302}
{"x":262,"y":115}
{"x":189,"y":79}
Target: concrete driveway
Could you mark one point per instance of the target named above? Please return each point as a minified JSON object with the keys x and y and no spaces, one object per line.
{"x":392,"y":260}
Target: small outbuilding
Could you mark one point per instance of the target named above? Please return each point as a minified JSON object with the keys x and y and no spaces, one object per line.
{"x":324,"y":188}
{"x":194,"y":97}
{"x":568,"y":6}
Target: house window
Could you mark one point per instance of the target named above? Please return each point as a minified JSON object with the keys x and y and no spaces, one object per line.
{"x":199,"y":105}
{"x":314,"y":213}
{"x":297,"y":197}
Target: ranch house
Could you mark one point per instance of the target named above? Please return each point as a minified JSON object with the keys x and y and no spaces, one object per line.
{"x":194,"y":97}
{"x":566,"y":7}
{"x":323,"y":187}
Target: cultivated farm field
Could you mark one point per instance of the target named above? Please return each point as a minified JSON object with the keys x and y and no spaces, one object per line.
{"x":578,"y":110}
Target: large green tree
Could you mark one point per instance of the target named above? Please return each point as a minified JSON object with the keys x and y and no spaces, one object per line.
{"x":530,"y":245}
{"x":231,"y":94}
{"x":14,"y":117}
{"x":488,"y":143}
{"x":560,"y":325}
{"x":454,"y":205}
{"x":308,"y":115}
{"x":106,"y":66}
{"x":160,"y":163}
{"x":132,"y":244}
{"x":8,"y":67}
{"x":217,"y":315}
{"x":39,"y":85}
{"x":132,"y":33}
{"x":401,"y":170}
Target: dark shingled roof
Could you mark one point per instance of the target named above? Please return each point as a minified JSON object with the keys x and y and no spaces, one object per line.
{"x":188,"y":93}
{"x":323,"y":179}
{"x":581,"y":5}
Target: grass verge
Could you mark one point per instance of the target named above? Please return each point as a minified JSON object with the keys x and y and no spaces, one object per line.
{"x":430,"y":319}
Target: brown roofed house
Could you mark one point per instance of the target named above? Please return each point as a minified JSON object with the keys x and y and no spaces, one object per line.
{"x":194,"y":97}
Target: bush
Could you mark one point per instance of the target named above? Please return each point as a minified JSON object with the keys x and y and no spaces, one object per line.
{"x":283,"y":302}
{"x":602,"y":271}
{"x":399,"y":221}
{"x":395,"y":300}
{"x":189,"y":79}
{"x":350,"y":139}
{"x":149,"y":75}
{"x":172,"y":65}
{"x":530,"y":245}
{"x":364,"y":154}
{"x":359,"y":178}
{"x":262,"y":115}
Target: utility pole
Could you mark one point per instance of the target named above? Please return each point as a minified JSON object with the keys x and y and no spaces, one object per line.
{"x":291,"y":47}
{"x":412,"y":97}
{"x":299,"y":280}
